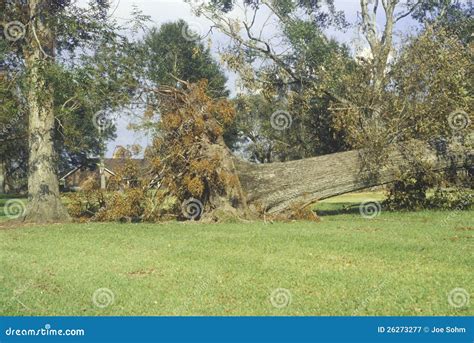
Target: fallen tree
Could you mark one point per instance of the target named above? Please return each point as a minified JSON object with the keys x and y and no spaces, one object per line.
{"x":278,"y":186}
{"x":392,"y":94}
{"x":193,"y":162}
{"x":193,"y":174}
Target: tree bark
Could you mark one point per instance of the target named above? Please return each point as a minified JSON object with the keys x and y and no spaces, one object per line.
{"x":44,"y":203}
{"x":231,"y":204}
{"x":277,"y":186}
{"x":380,"y":47}
{"x":2,"y":177}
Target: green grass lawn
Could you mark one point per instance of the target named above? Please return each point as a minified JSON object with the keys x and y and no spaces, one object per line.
{"x":394,"y":264}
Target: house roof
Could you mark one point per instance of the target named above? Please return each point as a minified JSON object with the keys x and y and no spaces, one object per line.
{"x":115,"y":163}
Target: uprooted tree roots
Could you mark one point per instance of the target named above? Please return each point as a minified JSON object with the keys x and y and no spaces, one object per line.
{"x":190,"y":158}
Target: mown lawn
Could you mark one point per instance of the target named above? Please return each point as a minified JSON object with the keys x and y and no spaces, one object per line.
{"x":394,"y":264}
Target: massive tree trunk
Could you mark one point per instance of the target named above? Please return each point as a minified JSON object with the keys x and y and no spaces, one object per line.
{"x":44,"y":203}
{"x":277,"y":187}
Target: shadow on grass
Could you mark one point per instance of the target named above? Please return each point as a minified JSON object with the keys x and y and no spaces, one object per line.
{"x":333,"y":209}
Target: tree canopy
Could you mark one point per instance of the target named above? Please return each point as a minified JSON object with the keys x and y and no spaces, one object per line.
{"x":173,"y":52}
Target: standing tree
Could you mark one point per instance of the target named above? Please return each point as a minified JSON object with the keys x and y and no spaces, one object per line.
{"x":175,"y":52}
{"x":38,"y":33}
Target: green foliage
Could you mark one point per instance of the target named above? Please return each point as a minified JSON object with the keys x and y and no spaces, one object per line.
{"x":455,"y":16}
{"x":93,"y":70}
{"x":293,"y":82}
{"x":128,"y":197}
{"x":85,"y":205}
{"x":260,"y":140}
{"x":79,"y":96}
{"x":129,"y":204}
{"x":257,"y":140}
{"x":182,"y":163}
{"x":457,"y":199}
{"x":409,"y":193}
{"x":427,"y":83}
{"x":173,"y":52}
{"x":324,"y":11}
{"x":332,"y":98}
{"x":13,"y":132}
{"x":452,"y":190}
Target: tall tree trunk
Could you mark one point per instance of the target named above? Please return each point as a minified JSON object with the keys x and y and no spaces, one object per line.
{"x":381,"y":43}
{"x":44,"y":203}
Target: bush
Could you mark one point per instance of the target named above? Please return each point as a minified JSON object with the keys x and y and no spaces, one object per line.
{"x":451,"y":199}
{"x":128,"y":197}
{"x":410,"y":193}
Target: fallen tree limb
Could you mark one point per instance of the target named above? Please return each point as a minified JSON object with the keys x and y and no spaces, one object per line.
{"x":278,"y":186}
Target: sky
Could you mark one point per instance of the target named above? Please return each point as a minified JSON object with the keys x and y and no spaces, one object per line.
{"x":161,"y":11}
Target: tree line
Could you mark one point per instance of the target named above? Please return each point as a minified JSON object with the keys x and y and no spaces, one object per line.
{"x":65,"y":69}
